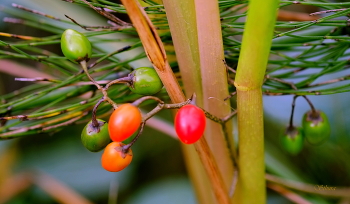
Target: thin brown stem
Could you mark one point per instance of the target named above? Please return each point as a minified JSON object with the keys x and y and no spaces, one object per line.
{"x":229,"y":68}
{"x":107,"y":15}
{"x":126,"y":148}
{"x":281,"y":81}
{"x":347,"y":77}
{"x":98,"y":28}
{"x":83,"y":65}
{"x":291,"y":126}
{"x":230,"y":96}
{"x":310,"y":103}
{"x":94,"y":120}
{"x":43,"y":126}
{"x":227,"y":118}
{"x":103,"y":90}
{"x":122,"y":80}
{"x":327,"y":11}
{"x":143,"y":99}
{"x":35,"y":11}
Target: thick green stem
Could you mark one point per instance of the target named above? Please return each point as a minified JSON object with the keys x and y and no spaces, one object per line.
{"x":251,"y":182}
{"x":251,"y":69}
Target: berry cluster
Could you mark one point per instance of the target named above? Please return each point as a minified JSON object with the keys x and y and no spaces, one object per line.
{"x":315,"y":128}
{"x":127,"y":119}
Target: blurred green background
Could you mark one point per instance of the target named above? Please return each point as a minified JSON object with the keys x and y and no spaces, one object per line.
{"x":157,"y":173}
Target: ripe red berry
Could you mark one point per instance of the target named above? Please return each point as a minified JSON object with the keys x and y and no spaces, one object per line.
{"x":190,"y":123}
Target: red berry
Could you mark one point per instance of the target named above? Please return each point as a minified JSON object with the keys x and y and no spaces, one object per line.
{"x":190,"y":123}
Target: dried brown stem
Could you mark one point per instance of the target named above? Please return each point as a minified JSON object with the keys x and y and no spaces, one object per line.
{"x":212,"y":170}
{"x":98,"y":28}
{"x":43,"y":125}
{"x":327,"y":11}
{"x":281,"y":81}
{"x":34,"y":11}
{"x":154,"y":49}
{"x":347,"y":77}
{"x":108,"y":15}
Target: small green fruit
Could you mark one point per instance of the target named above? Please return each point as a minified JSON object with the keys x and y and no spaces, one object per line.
{"x":95,"y":138}
{"x":145,"y":81}
{"x":316,"y":127}
{"x":75,"y":46}
{"x":293,"y":140}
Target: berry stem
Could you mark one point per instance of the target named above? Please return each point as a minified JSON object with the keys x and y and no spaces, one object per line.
{"x":142,"y":99}
{"x":83,"y":65}
{"x":94,"y":120}
{"x":314,"y":113}
{"x":126,"y":148}
{"x":103,"y":90}
{"x":127,"y":79}
{"x":291,"y":126}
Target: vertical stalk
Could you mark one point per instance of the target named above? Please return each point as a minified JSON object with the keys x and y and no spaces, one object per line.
{"x":196,"y":32}
{"x":214,"y":82}
{"x":249,"y":79}
{"x":182,"y":23}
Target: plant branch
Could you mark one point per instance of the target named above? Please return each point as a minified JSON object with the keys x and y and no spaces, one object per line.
{"x":250,"y":74}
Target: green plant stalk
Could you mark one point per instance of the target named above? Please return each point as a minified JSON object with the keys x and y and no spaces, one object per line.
{"x":182,"y":21}
{"x":214,"y":84}
{"x":181,"y":14}
{"x":251,"y":69}
{"x":199,"y":53}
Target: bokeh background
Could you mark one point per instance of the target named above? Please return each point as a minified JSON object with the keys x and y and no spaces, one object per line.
{"x":157,"y":173}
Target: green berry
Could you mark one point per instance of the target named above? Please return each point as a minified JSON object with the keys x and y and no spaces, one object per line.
{"x":293,"y":140}
{"x":95,"y":138}
{"x":316,"y":127}
{"x":145,"y":81}
{"x":75,"y":46}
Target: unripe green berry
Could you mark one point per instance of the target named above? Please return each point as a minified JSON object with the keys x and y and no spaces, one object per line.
{"x":145,"y":81}
{"x":75,"y":46}
{"x":316,"y":127}
{"x":293,"y":140}
{"x":95,"y":138}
